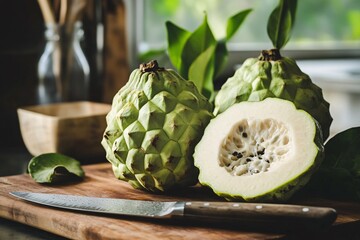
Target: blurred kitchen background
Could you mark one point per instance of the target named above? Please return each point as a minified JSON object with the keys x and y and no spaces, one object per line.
{"x":325,"y":42}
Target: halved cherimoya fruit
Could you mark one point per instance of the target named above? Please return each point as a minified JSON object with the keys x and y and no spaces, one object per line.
{"x":259,"y":151}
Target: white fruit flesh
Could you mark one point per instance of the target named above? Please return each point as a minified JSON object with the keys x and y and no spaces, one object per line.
{"x":254,"y":148}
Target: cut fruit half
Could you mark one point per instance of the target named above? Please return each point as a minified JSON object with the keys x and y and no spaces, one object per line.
{"x":259,"y":151}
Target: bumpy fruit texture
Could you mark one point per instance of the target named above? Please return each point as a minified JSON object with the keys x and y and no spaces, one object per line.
{"x":274,"y":76}
{"x":261,"y":151}
{"x":155,"y":122}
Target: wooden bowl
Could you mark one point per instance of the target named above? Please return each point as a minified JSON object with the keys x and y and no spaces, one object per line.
{"x":74,"y":129}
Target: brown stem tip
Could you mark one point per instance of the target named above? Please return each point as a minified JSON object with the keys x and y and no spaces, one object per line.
{"x":151,"y":66}
{"x":270,"y":55}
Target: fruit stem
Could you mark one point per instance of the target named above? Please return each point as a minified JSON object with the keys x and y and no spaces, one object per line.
{"x":151,"y":66}
{"x":270,"y":55}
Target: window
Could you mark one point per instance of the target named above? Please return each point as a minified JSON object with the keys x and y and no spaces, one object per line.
{"x":323,"y":28}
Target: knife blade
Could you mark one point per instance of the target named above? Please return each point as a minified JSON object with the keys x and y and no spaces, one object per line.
{"x":255,"y":215}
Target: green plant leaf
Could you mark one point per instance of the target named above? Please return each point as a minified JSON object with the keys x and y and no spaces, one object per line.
{"x":54,"y":168}
{"x":177,"y":38}
{"x":165,"y":8}
{"x":339,"y":174}
{"x":198,"y":56}
{"x":343,"y":150}
{"x":234,"y":22}
{"x":353,"y":17}
{"x":201,"y":71}
{"x":335,"y":183}
{"x":221,"y":53}
{"x":221,"y":57}
{"x":199,"y":41}
{"x":281,"y":22}
{"x":151,"y":54}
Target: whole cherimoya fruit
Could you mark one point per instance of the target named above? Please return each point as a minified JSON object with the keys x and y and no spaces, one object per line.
{"x":155,"y":122}
{"x":272,"y":75}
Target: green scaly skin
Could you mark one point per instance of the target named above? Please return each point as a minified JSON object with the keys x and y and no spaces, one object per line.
{"x":155,"y":122}
{"x":272,"y":75}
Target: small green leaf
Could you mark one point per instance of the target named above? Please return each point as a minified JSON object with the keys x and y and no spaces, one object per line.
{"x":54,"y":168}
{"x":234,"y":22}
{"x":339,"y":174}
{"x":201,"y":71}
{"x":281,"y":22}
{"x":177,"y":38}
{"x":151,"y":54}
{"x":199,"y":41}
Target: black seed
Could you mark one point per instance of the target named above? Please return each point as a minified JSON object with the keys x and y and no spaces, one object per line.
{"x":267,"y":161}
{"x":248,"y":159}
{"x":235,"y":153}
{"x":244,"y":134}
{"x":261,"y":152}
{"x":239,"y":155}
{"x":251,"y":155}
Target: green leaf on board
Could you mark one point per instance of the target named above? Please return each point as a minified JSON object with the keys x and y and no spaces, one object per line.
{"x":54,"y":168}
{"x":281,"y":22}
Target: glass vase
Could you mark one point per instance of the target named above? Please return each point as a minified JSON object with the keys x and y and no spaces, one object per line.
{"x":63,"y":71}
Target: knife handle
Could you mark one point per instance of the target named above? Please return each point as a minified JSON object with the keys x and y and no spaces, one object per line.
{"x":271,"y":216}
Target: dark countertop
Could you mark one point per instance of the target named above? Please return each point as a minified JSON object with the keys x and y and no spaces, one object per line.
{"x":10,"y":230}
{"x":13,"y":162}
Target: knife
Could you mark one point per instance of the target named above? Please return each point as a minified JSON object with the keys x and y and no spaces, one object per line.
{"x":254,"y":215}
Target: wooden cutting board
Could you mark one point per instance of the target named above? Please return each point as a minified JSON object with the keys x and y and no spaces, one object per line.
{"x":100,"y":182}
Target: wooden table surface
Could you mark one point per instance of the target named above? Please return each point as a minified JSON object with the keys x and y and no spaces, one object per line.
{"x":100,"y":182}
